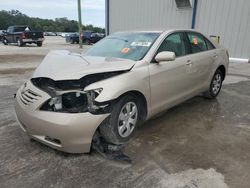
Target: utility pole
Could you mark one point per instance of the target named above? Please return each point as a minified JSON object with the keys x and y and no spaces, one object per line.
{"x":80,"y":22}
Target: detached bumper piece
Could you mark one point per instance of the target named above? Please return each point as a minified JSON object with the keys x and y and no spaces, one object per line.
{"x":110,"y":151}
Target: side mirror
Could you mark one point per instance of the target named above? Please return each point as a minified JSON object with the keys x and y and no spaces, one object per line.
{"x":165,"y":56}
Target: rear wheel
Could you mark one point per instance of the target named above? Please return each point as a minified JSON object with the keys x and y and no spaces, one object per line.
{"x":215,"y":85}
{"x":19,"y":42}
{"x":120,"y":126}
{"x":88,"y":42}
{"x":72,"y":41}
{"x":39,"y":44}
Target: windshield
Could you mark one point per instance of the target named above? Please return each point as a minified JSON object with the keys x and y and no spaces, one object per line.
{"x":132,"y":46}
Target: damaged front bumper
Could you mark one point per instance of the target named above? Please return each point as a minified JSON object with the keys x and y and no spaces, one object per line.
{"x":69,"y":132}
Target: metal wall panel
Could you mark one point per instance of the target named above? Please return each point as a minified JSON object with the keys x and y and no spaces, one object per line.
{"x":147,"y":15}
{"x":229,"y":19}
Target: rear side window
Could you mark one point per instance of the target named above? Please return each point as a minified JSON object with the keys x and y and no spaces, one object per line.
{"x":198,"y":44}
{"x":174,"y":43}
{"x":210,"y":46}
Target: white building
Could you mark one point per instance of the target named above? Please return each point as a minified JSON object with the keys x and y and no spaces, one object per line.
{"x":228,"y":19}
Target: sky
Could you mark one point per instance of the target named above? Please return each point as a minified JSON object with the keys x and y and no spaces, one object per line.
{"x":93,"y":11}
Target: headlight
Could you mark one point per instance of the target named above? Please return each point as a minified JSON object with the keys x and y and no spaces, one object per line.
{"x":72,"y":102}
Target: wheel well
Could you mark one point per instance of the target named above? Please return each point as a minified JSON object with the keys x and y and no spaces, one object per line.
{"x":223,"y":71}
{"x":141,"y":98}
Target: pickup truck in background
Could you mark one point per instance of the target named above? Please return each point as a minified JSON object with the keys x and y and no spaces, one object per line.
{"x":22,"y":35}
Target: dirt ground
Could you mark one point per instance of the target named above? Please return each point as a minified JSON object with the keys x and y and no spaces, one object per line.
{"x":200,"y":143}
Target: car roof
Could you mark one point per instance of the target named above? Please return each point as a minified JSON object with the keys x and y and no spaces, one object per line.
{"x":158,"y":31}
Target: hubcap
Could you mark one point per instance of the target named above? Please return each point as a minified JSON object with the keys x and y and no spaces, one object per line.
{"x":127,"y":119}
{"x":216,"y":84}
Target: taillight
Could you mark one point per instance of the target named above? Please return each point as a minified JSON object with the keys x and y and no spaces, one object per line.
{"x":23,"y":36}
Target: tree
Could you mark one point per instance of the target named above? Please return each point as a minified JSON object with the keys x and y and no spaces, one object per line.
{"x":15,"y":17}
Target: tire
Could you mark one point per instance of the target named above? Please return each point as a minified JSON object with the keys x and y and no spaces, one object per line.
{"x":118,"y":128}
{"x":72,"y":41}
{"x":19,"y":42}
{"x":5,"y":42}
{"x":39,"y":44}
{"x":215,"y":85}
{"x":88,"y":42}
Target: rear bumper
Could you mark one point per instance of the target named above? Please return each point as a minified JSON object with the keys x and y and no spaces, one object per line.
{"x":67,"y":132}
{"x":32,"y":40}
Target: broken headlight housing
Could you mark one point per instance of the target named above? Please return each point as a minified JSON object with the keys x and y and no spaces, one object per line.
{"x":75,"y":102}
{"x":71,"y":102}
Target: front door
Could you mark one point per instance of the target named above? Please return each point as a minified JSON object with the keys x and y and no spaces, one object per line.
{"x":170,"y":80}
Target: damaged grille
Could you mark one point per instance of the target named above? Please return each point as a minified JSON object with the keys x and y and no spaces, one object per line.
{"x":27,"y":97}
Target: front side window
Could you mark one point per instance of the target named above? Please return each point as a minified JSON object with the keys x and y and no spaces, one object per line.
{"x":197,"y":42}
{"x":174,"y":43}
{"x":20,"y":29}
{"x":132,"y":46}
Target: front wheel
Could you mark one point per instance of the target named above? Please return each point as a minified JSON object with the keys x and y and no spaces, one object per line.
{"x":39,"y":44}
{"x":5,"y":42}
{"x":120,"y":126}
{"x":215,"y":85}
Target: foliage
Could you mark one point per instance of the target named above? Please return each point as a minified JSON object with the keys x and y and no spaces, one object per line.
{"x":15,"y":17}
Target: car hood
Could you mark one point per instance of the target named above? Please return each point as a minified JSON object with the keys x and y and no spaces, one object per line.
{"x":64,"y":65}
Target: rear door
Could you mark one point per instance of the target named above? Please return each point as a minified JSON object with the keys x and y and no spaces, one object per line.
{"x":170,"y":81}
{"x":201,"y":61}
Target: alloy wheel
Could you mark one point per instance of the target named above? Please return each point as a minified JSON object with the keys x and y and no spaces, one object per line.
{"x":127,"y":119}
{"x":216,"y":85}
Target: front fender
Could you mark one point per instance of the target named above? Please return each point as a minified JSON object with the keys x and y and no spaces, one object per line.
{"x":136,"y":79}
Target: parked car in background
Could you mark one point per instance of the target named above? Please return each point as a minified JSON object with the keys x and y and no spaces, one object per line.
{"x":120,"y":82}
{"x":50,"y":34}
{"x":59,"y":33}
{"x":90,"y":37}
{"x":22,"y":34}
{"x":72,"y":38}
{"x":64,"y":35}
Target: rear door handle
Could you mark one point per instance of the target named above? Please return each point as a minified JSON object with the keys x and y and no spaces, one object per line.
{"x":189,"y":62}
{"x":215,"y":55}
